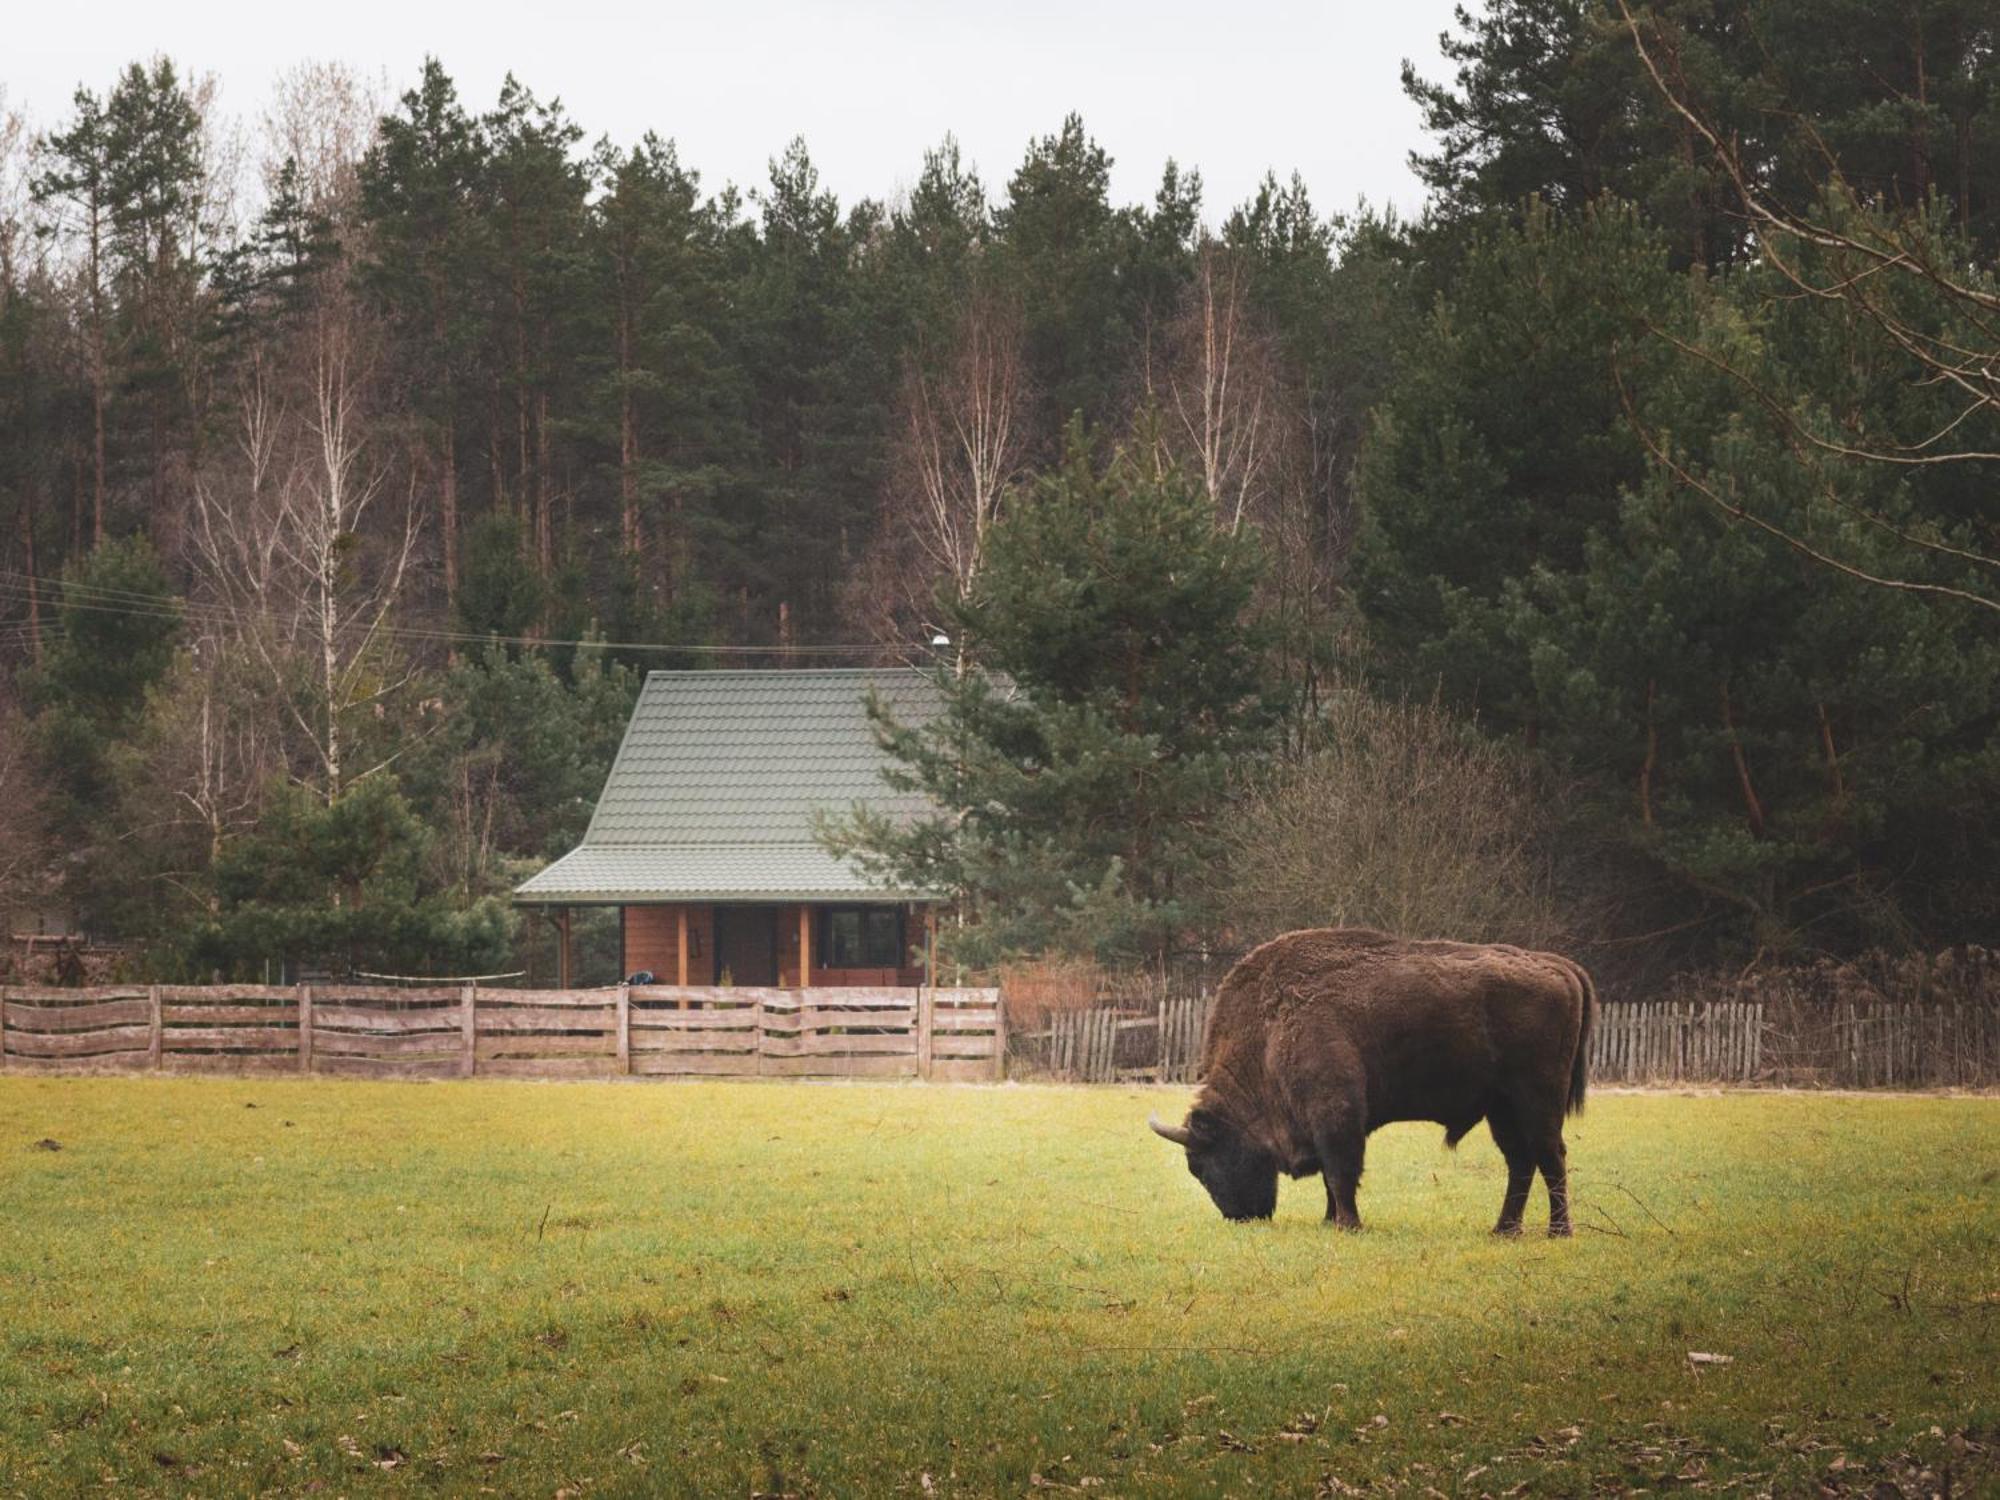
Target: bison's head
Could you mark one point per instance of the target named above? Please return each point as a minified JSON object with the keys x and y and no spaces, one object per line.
{"x":1240,"y":1177}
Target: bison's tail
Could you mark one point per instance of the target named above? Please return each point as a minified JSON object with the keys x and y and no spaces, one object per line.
{"x":1579,"y":1068}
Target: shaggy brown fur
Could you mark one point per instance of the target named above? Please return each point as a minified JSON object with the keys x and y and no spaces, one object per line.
{"x":1320,"y":1037}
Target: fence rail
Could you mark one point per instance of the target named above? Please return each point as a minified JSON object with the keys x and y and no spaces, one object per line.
{"x":460,"y":1031}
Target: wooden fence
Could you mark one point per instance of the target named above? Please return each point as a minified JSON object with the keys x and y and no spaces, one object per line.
{"x":466,"y":1031}
{"x":1118,"y":1043}
{"x":1785,"y":1037}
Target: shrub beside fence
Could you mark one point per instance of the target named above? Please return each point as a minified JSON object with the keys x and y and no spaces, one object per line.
{"x":465,"y":1031}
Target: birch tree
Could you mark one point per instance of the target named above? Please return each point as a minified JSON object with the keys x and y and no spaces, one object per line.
{"x":296,"y":546}
{"x":963,"y":435}
{"x":1215,"y":379}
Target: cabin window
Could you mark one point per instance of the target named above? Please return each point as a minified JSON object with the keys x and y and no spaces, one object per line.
{"x":861,"y":937}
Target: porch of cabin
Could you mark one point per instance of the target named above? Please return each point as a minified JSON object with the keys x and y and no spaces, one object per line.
{"x":787,"y":945}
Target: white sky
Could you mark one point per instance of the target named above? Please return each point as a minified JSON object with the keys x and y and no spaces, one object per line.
{"x":1230,"y":89}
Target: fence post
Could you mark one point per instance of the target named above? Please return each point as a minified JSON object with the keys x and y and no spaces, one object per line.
{"x":757,"y":1019}
{"x":624,"y":1028}
{"x":3,"y":1028}
{"x":155,"y":1031}
{"x":999,"y":1035}
{"x":926,"y":1028}
{"x":468,"y":1030}
{"x":305,"y":1027}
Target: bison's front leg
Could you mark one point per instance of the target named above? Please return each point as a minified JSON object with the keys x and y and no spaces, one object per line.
{"x":1340,"y":1157}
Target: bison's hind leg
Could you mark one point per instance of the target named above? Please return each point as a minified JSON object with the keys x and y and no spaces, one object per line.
{"x":1553,"y":1158}
{"x":1520,"y":1154}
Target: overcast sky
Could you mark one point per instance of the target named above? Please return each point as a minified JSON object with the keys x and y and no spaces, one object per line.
{"x":1230,"y":89}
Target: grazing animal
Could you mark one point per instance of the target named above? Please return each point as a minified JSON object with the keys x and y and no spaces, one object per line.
{"x":1322,"y":1036}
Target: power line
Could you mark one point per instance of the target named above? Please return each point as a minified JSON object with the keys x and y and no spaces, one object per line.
{"x":136,"y":605}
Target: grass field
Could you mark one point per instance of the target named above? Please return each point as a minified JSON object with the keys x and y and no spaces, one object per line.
{"x":225,"y":1287}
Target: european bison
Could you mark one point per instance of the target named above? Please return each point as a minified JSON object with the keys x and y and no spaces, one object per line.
{"x":1320,"y":1037}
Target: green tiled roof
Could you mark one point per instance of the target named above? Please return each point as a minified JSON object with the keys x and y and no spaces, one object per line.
{"x":714,"y":789}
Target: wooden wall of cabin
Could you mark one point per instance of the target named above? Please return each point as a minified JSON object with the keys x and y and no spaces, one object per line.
{"x":652,"y":941}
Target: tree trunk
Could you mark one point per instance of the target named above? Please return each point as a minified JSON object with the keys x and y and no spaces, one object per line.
{"x":1753,"y":810}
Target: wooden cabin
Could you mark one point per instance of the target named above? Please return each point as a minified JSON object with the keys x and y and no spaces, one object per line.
{"x":703,"y":837}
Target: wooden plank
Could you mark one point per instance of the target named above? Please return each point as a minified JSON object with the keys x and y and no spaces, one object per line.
{"x":103,"y":1063}
{"x":548,"y":1067}
{"x":502,"y":999}
{"x":305,"y":1028}
{"x":3,"y":1027}
{"x":468,"y":1030}
{"x":355,"y":1044}
{"x":624,"y":1028}
{"x":217,"y":994}
{"x":742,"y":996}
{"x":961,"y":1072}
{"x":738,"y":1043}
{"x":31,"y":1017}
{"x":691,"y":1064}
{"x":838,"y":996}
{"x":444,"y":1020}
{"x":40,"y":994}
{"x":374,"y":995}
{"x":545,"y":1046}
{"x":694,"y":1020}
{"x":181,"y":1039}
{"x":283,"y":1062}
{"x":79,"y":1043}
{"x":963,"y":1047}
{"x":183,"y":1014}
{"x":857,"y":1067}
{"x":839,"y":1046}
{"x":519,"y":1018}
{"x":873,"y":1020}
{"x":685,"y":1021}
{"x":387,"y":1067}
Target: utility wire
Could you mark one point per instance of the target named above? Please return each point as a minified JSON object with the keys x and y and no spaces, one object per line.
{"x":66,"y":595}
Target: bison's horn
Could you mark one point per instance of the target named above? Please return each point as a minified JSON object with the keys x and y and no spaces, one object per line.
{"x":1178,"y":1134}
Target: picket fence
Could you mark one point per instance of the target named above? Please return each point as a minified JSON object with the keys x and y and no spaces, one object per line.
{"x":1788,"y":1038}
{"x":463,"y":1031}
{"x":1118,"y":1043}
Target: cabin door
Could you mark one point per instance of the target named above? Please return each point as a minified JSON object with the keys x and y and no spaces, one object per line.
{"x":746,"y":944}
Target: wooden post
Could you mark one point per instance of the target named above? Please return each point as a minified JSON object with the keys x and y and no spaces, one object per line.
{"x":624,"y":1028}
{"x":562,"y":949}
{"x":757,"y":1016}
{"x":305,"y":1027}
{"x":155,"y":1031}
{"x":468,"y":1030}
{"x":3,"y":1030}
{"x":930,"y":945}
{"x":1000,"y":1035}
{"x":681,"y":912}
{"x":805,"y":946}
{"x":926,"y":1023}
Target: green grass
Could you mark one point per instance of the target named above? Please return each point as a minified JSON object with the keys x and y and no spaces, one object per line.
{"x":839,"y":1290}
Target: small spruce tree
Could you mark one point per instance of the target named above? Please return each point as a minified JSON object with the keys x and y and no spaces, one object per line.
{"x":1112,"y":687}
